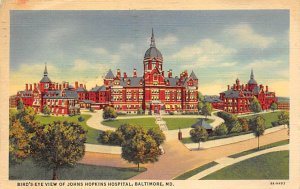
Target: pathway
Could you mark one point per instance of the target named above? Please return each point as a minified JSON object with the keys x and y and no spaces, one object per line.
{"x":263,"y":112}
{"x":178,"y":159}
{"x":96,"y":121}
{"x":227,"y":161}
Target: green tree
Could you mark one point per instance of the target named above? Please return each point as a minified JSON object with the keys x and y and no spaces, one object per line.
{"x":284,"y":118}
{"x":236,"y":127}
{"x":141,"y":148}
{"x":200,"y":106}
{"x":258,"y":128}
{"x":255,"y":105}
{"x":20,"y":104}
{"x":104,"y":136}
{"x":109,"y":113}
{"x":206,"y":109}
{"x":46,"y":110}
{"x":200,"y":97}
{"x":274,"y":106}
{"x":140,"y":111}
{"x":199,"y":134}
{"x":244,"y":123}
{"x":157,"y":135}
{"x":19,"y":139}
{"x":58,"y":145}
{"x":221,"y":130}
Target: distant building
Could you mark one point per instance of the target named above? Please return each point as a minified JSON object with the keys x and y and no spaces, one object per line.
{"x":283,"y":103}
{"x":60,"y":98}
{"x":237,"y":98}
{"x":215,"y":101}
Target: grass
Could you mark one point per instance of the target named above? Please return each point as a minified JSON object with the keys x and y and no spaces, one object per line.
{"x":195,"y":171}
{"x":176,"y":123}
{"x":92,"y":133}
{"x":79,"y":172}
{"x":269,"y":117}
{"x":145,"y":122}
{"x":279,"y":143}
{"x":273,"y":165}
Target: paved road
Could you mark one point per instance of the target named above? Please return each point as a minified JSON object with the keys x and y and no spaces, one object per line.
{"x":178,"y":159}
{"x":96,"y":121}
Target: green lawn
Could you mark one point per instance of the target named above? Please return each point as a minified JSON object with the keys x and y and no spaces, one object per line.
{"x":279,"y":143}
{"x":174,"y":123}
{"x":195,"y":171}
{"x":79,"y":172}
{"x":269,"y":117}
{"x":145,"y":122}
{"x":273,"y":165}
{"x":92,"y":133}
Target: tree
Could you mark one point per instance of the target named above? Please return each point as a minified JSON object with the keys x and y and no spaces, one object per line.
{"x":258,"y":128}
{"x":244,"y":123}
{"x":274,"y":106}
{"x":46,"y":110}
{"x":200,"y":97}
{"x":19,"y":139}
{"x":284,"y":118}
{"x":236,"y":127}
{"x":206,"y":109}
{"x":200,"y":106}
{"x":109,"y":113}
{"x":58,"y":145}
{"x":157,"y":135}
{"x":199,"y":134}
{"x":140,"y":111}
{"x":255,"y":105}
{"x":221,"y":130}
{"x":20,"y":105}
{"x":141,"y":148}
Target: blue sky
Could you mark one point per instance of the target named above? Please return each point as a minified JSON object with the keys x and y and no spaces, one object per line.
{"x":218,"y":45}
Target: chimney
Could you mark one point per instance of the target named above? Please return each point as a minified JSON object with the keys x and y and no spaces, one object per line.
{"x":247,"y":88}
{"x":76,"y":84}
{"x":267,"y":88}
{"x":228,"y":87}
{"x":243,"y":87}
{"x":34,"y":86}
{"x":59,"y":86}
{"x":81,"y":85}
{"x":31,"y":87}
{"x":125,"y":75}
{"x":170,"y":73}
{"x":85,"y":86}
{"x":163,"y":73}
{"x":26,"y":87}
{"x":134,"y":73}
{"x":56,"y":86}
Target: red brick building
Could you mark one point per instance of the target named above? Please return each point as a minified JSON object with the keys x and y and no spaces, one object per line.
{"x":152,"y":92}
{"x":60,"y":98}
{"x":237,"y":98}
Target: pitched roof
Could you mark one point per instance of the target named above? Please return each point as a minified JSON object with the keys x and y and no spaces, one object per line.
{"x":81,"y":89}
{"x":98,"y":88}
{"x":173,"y":81}
{"x":45,"y":79}
{"x":202,"y":123}
{"x":231,"y":94}
{"x":109,"y":75}
{"x":193,"y":75}
{"x":134,"y":81}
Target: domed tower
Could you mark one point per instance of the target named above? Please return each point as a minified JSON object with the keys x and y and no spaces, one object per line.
{"x":252,"y":82}
{"x":153,"y":58}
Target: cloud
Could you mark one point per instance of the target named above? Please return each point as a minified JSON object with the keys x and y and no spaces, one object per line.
{"x":80,"y":70}
{"x":264,"y":63}
{"x":166,"y":41}
{"x":205,"y":53}
{"x":244,"y":34}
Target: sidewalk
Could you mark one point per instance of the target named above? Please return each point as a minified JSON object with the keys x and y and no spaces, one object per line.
{"x":226,"y":161}
{"x":96,"y":121}
{"x":106,"y":149}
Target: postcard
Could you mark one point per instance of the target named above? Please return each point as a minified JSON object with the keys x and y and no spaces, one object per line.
{"x":150,"y":94}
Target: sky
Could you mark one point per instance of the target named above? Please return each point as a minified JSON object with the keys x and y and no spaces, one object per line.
{"x":219,"y":46}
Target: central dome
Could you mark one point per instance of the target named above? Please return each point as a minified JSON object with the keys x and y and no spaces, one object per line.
{"x":153,"y":52}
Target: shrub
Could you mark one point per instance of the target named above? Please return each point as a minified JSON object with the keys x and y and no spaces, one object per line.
{"x":221,"y":130}
{"x":105,"y":136}
{"x":81,"y":119}
{"x":237,"y":128}
{"x":244,"y":123}
{"x":109,"y":113}
{"x":92,"y":109}
{"x":140,"y":111}
{"x":171,"y":113}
